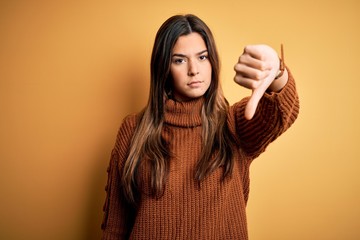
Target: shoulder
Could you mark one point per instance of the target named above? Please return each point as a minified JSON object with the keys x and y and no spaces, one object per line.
{"x":128,"y":124}
{"x":125,"y":133}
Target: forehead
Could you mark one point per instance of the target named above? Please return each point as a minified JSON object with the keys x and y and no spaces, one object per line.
{"x":191,"y":43}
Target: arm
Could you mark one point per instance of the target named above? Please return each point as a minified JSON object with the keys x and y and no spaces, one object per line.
{"x":118,"y":214}
{"x":279,"y":83}
{"x":275,"y":113}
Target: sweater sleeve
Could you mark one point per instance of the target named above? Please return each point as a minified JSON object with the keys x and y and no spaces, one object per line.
{"x":275,"y":113}
{"x":118,"y":214}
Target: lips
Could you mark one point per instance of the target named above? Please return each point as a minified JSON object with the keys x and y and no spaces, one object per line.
{"x":194,"y":83}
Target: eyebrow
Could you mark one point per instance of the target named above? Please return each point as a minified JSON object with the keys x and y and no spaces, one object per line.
{"x":183,"y":55}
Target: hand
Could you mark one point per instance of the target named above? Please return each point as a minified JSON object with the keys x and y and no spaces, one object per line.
{"x":256,"y":70}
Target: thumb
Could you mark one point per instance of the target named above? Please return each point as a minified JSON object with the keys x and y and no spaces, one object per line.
{"x":251,"y":106}
{"x":253,"y":102}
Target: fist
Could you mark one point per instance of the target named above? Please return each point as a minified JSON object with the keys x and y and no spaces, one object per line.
{"x":256,"y":70}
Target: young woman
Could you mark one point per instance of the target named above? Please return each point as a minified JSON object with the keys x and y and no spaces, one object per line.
{"x":180,"y":168}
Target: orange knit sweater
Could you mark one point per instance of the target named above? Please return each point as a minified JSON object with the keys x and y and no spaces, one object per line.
{"x":216,"y":210}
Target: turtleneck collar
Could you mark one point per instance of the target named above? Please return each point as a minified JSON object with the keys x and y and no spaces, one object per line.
{"x":184,"y":114}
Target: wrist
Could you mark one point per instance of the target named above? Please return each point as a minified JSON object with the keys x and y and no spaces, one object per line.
{"x":282,"y":76}
{"x":279,"y":83}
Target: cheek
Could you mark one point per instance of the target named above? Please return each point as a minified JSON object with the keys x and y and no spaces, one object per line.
{"x":174,"y":75}
{"x":177,"y":76}
{"x":209,"y":72}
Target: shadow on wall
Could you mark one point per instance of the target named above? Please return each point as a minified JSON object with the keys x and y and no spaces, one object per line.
{"x":131,"y":97}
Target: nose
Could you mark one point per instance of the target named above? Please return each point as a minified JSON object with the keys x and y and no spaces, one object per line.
{"x":193,"y":69}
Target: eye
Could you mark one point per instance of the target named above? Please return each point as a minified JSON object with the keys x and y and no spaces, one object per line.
{"x":178,"y":60}
{"x":203,"y":57}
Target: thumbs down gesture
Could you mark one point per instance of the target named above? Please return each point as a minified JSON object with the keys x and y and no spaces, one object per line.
{"x":257,"y":69}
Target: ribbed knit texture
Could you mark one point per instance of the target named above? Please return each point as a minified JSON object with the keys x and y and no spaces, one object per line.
{"x":215,"y":210}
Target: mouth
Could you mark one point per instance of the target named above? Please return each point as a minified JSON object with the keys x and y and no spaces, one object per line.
{"x":194,"y":83}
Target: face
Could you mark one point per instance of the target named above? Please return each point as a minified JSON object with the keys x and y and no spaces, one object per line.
{"x":190,"y":68}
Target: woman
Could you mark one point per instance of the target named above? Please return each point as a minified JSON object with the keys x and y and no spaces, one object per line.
{"x":180,"y":168}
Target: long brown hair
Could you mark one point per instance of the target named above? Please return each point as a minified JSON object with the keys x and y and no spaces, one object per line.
{"x":147,"y":142}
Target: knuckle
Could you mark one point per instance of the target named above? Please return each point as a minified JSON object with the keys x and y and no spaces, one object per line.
{"x":255,"y":84}
{"x":262,"y":65}
{"x":247,"y":48}
{"x":242,"y":58}
{"x":237,"y":79}
{"x":258,"y":75}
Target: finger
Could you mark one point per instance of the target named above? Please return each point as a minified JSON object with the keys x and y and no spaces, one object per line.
{"x":250,"y":72}
{"x":247,"y":82}
{"x":250,"y":61}
{"x":251,"y":106}
{"x":255,"y":51}
{"x":255,"y":97}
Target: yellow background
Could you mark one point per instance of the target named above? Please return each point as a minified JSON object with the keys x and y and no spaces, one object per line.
{"x":71,"y":70}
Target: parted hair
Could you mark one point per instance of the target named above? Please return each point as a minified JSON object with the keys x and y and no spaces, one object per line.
{"x":147,"y":143}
